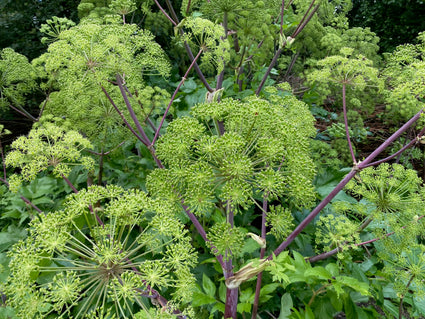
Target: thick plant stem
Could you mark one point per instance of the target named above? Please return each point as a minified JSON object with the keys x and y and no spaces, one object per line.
{"x":202,"y":232}
{"x":347,"y":131}
{"x":165,"y":13}
{"x":342,"y":184}
{"x":231,"y":306}
{"x":122,"y":117}
{"x":262,"y":253}
{"x":131,"y":111}
{"x":232,"y":295}
{"x":2,"y":161}
{"x":405,"y":147}
{"x":174,"y":96}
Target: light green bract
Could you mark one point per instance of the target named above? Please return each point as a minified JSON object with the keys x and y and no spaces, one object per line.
{"x":101,"y":257}
{"x":47,"y":146}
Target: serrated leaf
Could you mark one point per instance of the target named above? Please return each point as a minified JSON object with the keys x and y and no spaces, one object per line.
{"x":208,"y":286}
{"x":333,"y":269}
{"x":200,"y":299}
{"x":318,"y":272}
{"x":244,"y":307}
{"x":354,"y":284}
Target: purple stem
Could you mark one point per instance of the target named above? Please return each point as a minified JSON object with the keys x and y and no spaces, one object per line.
{"x":347,"y":133}
{"x":405,"y":147}
{"x":106,"y":153}
{"x":130,"y":110}
{"x":300,"y":27}
{"x":174,"y":96}
{"x":230,"y":310}
{"x":282,"y":10}
{"x":341,"y":185}
{"x":141,"y":106}
{"x":70,"y":184}
{"x":26,"y":200}
{"x":202,"y":232}
{"x":123,"y":117}
{"x":2,"y":161}
{"x":165,"y":13}
{"x":262,"y":253}
{"x":23,"y":112}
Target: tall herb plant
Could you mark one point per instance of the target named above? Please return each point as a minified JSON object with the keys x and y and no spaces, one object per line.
{"x":232,"y":178}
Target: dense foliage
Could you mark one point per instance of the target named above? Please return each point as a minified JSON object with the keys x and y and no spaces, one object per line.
{"x":174,"y":169}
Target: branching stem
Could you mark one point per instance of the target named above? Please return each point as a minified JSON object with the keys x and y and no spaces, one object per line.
{"x":342,"y":184}
{"x":174,"y":96}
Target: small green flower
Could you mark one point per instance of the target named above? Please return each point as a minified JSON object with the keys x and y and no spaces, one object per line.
{"x":109,"y":258}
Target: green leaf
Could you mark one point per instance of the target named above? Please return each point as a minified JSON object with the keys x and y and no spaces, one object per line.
{"x":244,"y":307}
{"x":318,"y":272}
{"x":332,"y":269}
{"x":323,"y":309}
{"x":208,"y":286}
{"x":200,"y":299}
{"x":285,"y":306}
{"x":391,"y":308}
{"x":218,"y":307}
{"x":353,"y":283}
{"x":419,"y":304}
{"x":13,"y":235}
{"x":222,"y":291}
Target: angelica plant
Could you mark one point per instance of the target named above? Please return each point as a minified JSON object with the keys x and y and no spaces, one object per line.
{"x":47,"y":147}
{"x":405,"y":72}
{"x":89,"y":56}
{"x":106,"y":262}
{"x":18,"y":78}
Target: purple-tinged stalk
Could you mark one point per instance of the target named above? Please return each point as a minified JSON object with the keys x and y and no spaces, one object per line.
{"x":141,"y":106}
{"x":202,"y":232}
{"x":341,"y":185}
{"x":23,"y":112}
{"x":26,"y":200}
{"x":306,"y":18}
{"x":347,"y":132}
{"x":165,"y":13}
{"x":262,"y":253}
{"x":146,"y":143}
{"x":2,"y":161}
{"x":102,"y":155}
{"x":232,"y":295}
{"x":174,"y":96}
{"x":130,"y":109}
{"x":405,"y":147}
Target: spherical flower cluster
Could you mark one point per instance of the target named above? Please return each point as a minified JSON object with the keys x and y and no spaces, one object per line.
{"x":108,"y":252}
